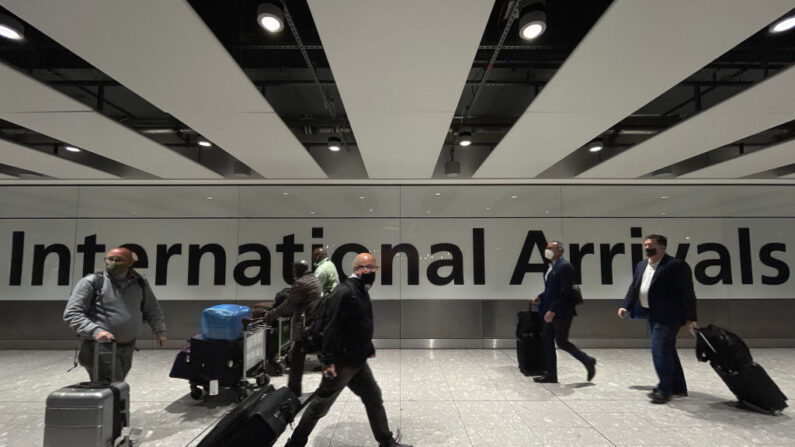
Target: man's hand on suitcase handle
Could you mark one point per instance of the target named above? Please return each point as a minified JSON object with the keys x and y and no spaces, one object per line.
{"x":104,"y":337}
{"x":329,"y":372}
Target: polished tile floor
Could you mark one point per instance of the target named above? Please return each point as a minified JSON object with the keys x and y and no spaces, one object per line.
{"x":441,"y":398}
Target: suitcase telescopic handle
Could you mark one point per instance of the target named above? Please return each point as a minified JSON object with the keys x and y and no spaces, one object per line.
{"x":95,"y":374}
{"x":707,"y":341}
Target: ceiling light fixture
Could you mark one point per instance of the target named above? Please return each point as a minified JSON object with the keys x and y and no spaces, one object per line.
{"x":334,"y":144}
{"x":11,"y":28}
{"x":205,"y":143}
{"x":596,"y":145}
{"x":533,"y":21}
{"x":464,"y":139}
{"x":71,"y":149}
{"x":270,"y":17}
{"x":782,"y":25}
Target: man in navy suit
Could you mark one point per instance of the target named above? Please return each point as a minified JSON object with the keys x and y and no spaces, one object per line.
{"x":557,"y":306}
{"x":662,"y":291}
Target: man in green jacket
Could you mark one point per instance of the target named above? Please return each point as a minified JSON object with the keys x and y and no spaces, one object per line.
{"x":325,"y":270}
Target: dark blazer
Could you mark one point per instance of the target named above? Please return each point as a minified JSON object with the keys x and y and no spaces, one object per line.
{"x":557,"y":291}
{"x":348,"y":333}
{"x":672,"y":300}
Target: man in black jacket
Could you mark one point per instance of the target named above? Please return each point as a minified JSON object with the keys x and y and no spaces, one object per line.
{"x":557,"y":306}
{"x":662,"y":291}
{"x":347,"y":344}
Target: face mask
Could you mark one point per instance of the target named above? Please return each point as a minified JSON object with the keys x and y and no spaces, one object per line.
{"x":368,"y":278}
{"x":111,"y":267}
{"x":651,"y":252}
{"x":549,"y":254}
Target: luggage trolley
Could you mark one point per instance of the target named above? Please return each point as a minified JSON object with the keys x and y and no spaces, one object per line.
{"x":210,"y":365}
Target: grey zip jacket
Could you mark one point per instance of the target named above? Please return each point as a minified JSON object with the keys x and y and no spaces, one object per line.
{"x":118,"y":308}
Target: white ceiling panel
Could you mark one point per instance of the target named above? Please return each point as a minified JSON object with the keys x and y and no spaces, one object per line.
{"x":400,"y":68}
{"x":760,"y":107}
{"x":163,"y":52}
{"x":39,"y":107}
{"x":636,"y":51}
{"x":18,"y":156}
{"x":772,"y":157}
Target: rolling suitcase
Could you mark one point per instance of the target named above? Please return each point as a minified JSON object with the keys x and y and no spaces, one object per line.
{"x":257,"y":421}
{"x":754,"y":388}
{"x":529,"y":349}
{"x":88,"y":413}
{"x":213,"y":364}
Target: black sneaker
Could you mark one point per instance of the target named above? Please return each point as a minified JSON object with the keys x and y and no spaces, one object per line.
{"x":591,"y":370}
{"x":660,"y":398}
{"x":545,"y":379}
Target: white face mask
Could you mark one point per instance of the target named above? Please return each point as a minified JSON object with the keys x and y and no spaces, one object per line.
{"x":549,"y":254}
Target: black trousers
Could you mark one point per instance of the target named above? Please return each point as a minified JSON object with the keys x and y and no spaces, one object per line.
{"x":297,"y":360}
{"x":558,"y":331}
{"x":361,"y":381}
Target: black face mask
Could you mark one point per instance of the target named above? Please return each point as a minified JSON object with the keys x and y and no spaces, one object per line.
{"x":651,"y":252}
{"x":368,"y":278}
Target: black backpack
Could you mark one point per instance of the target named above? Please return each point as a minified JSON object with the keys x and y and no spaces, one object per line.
{"x":722,"y":348}
{"x":316,"y":318}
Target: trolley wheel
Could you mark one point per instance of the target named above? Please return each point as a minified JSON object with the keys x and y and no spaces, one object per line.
{"x":262,"y":380}
{"x":273,"y":369}
{"x":196,"y":393}
{"x":242,"y":391}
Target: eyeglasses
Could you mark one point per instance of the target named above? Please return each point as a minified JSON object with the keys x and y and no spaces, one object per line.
{"x":114,"y":258}
{"x":367,"y":267}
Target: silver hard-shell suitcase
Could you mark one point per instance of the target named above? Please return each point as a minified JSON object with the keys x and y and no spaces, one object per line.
{"x":88,"y":413}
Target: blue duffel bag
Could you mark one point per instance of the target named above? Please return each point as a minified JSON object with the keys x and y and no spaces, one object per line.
{"x":224,"y":321}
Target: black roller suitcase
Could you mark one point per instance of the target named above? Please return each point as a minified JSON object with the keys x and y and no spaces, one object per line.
{"x":730,"y":358}
{"x":257,"y":421}
{"x":220,"y":360}
{"x":529,"y":348}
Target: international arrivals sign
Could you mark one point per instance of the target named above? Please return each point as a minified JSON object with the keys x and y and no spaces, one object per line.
{"x":456,"y":258}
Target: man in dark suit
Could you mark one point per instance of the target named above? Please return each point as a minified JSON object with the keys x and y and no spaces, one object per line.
{"x":662,"y":291}
{"x":557,"y":306}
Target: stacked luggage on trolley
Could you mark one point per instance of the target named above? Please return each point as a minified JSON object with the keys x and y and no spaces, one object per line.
{"x":230,"y":350}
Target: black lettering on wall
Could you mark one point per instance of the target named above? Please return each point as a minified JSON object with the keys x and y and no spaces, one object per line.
{"x":289,"y":248}
{"x":339,"y":255}
{"x":606,"y":255}
{"x":164,"y":253}
{"x":636,"y":249}
{"x":195,"y":254}
{"x":263,"y":263}
{"x":766,"y":256}
{"x":681,"y":252}
{"x":576,"y":255}
{"x":413,"y":262}
{"x":317,"y":233}
{"x":723,"y":263}
{"x":534,"y":239}
{"x":746,"y":270}
{"x":457,"y":263}
{"x":478,"y":256}
{"x":17,"y":255}
{"x":90,"y":249}
{"x":140,"y":253}
{"x":40,"y":253}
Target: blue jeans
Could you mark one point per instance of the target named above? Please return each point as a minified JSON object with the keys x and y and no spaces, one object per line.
{"x":666,"y":360}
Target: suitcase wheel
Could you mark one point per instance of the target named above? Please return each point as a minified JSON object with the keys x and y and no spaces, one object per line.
{"x":262,"y":380}
{"x":196,"y":393}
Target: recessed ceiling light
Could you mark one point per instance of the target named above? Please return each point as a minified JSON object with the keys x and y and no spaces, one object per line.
{"x":285,"y":193}
{"x":464,"y":139}
{"x":664,"y":197}
{"x":71,"y":149}
{"x":546,"y":211}
{"x":428,"y":212}
{"x":205,"y":143}
{"x":209,"y":197}
{"x":514,"y":197}
{"x":371,"y":210}
{"x":488,"y":209}
{"x":270,"y":17}
{"x":687,"y":237}
{"x":785,"y":24}
{"x":311,"y":212}
{"x":334,"y":144}
{"x":663,"y":213}
{"x":11,"y":28}
{"x":595,"y":145}
{"x":532,"y":24}
{"x":437,"y":194}
{"x":361,"y":197}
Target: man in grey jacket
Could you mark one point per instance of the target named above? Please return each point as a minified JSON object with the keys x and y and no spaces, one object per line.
{"x":110,"y":306}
